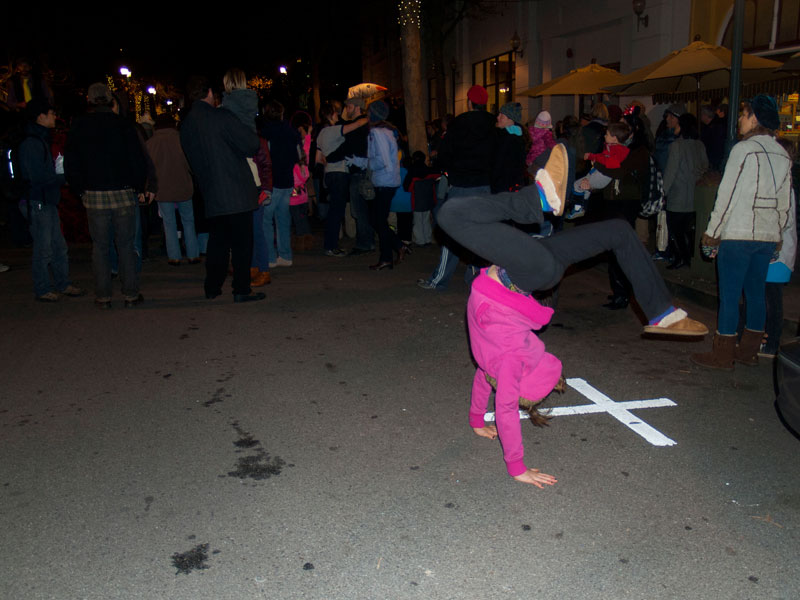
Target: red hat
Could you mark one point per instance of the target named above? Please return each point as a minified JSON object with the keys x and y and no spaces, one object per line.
{"x":477,"y":94}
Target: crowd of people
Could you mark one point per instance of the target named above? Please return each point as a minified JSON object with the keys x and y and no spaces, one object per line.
{"x":754,"y":213}
{"x":241,"y":176}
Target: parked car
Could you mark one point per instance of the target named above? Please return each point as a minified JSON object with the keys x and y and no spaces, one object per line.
{"x":789,"y":384}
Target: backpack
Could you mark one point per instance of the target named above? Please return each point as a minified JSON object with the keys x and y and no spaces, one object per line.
{"x":14,"y":186}
{"x":653,"y":203}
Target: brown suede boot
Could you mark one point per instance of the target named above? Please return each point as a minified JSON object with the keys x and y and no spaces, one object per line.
{"x":721,"y":355}
{"x":747,"y":350}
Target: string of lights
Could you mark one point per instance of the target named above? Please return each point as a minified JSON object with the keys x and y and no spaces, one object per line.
{"x":409,"y":13}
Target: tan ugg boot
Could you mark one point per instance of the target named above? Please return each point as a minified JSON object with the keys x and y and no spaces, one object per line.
{"x":721,"y":356}
{"x":553,"y":178}
{"x":747,"y":350}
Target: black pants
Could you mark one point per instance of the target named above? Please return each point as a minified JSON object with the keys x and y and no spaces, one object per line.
{"x":229,"y":235}
{"x":680,"y":226}
{"x":378,"y":216}
{"x":539,"y":264}
{"x":620,"y":286}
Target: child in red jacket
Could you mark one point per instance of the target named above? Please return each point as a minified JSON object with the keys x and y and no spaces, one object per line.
{"x":612,"y":156}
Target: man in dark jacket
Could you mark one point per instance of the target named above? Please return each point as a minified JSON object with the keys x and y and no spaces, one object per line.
{"x":466,"y":153}
{"x":217,"y":145}
{"x":105,"y":164}
{"x":45,"y":179}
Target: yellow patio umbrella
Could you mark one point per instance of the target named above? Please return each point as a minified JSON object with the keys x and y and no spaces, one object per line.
{"x":698,"y":66}
{"x":791,"y":66}
{"x":591,"y":79}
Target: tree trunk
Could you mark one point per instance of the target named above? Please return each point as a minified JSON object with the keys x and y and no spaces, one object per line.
{"x":441,"y":70}
{"x":412,"y":87}
{"x":317,"y":99}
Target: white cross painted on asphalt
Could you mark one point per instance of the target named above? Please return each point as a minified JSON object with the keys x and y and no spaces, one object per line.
{"x":619,"y":410}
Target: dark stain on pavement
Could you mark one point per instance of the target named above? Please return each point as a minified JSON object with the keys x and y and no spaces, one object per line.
{"x":330,"y":366}
{"x":246,"y":441}
{"x":147,"y":502}
{"x":217,"y":397}
{"x":184,"y":336}
{"x":194,"y":559}
{"x":256,"y":466}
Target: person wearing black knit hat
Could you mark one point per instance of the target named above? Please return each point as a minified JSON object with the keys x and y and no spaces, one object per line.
{"x":750,"y":212}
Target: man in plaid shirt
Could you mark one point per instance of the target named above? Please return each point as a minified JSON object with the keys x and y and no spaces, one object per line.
{"x":105,"y":163}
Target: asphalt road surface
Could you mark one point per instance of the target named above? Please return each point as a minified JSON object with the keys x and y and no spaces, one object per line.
{"x":316,"y":445}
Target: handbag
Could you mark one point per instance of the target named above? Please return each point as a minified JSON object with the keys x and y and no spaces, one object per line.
{"x":662,"y":234}
{"x":365,"y":187}
{"x":656,"y":199}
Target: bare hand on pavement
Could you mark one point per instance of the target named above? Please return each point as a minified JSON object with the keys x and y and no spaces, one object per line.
{"x":536,"y":478}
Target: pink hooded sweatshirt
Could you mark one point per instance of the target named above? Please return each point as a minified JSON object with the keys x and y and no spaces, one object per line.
{"x":500,"y":323}
{"x":541,"y":140}
{"x":299,"y":192}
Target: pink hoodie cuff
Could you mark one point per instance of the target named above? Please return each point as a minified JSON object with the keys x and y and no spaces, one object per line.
{"x":476,"y":421}
{"x":516,"y":467}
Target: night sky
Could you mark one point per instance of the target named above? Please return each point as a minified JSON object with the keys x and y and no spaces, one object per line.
{"x":170,"y":45}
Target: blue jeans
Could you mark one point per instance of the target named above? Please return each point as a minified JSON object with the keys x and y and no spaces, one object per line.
{"x":109,"y":226}
{"x":742,"y":267}
{"x":338,"y":185}
{"x":49,"y":250}
{"x":448,"y":261}
{"x":260,"y":255}
{"x":167,"y":212}
{"x":278,"y":220}
{"x":359,"y":208}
